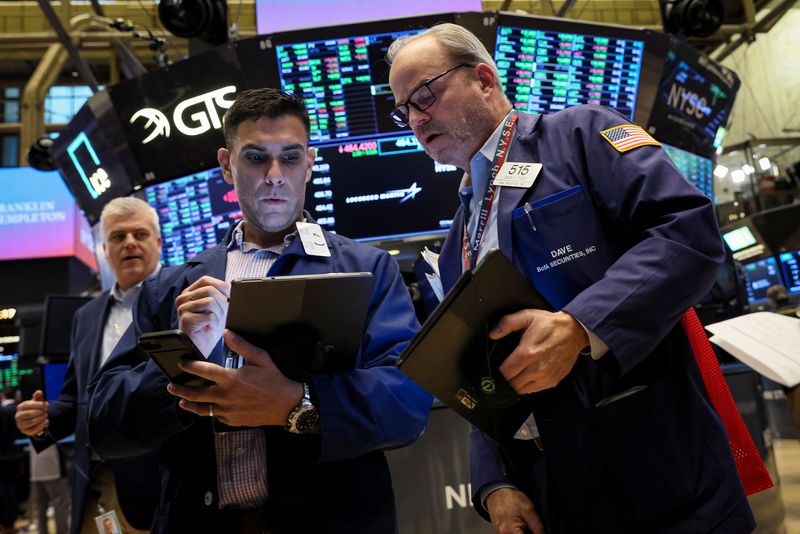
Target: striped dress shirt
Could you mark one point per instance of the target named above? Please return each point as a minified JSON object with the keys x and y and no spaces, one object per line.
{"x":242,"y":454}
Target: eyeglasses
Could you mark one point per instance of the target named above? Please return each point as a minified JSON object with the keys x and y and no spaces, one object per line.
{"x":420,"y":98}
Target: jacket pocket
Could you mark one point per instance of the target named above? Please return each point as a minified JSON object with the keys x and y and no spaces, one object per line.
{"x":561,"y":243}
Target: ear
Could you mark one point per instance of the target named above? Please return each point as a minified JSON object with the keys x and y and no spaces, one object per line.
{"x":224,"y":158}
{"x":312,"y":155}
{"x":486,"y":77}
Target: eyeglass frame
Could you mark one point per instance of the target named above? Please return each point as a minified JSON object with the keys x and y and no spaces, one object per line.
{"x":408,"y":104}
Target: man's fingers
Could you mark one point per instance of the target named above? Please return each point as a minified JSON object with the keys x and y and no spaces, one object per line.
{"x":32,"y":425}
{"x":252,"y":355}
{"x":208,"y":370}
{"x":38,"y":395}
{"x":510,"y":323}
{"x":204,"y":281}
{"x":193,"y":394}
{"x":201,"y":304}
{"x":534,"y":523}
{"x":199,"y":408}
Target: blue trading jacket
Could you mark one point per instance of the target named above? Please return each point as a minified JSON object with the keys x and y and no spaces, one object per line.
{"x":624,"y":244}
{"x":334,"y":482}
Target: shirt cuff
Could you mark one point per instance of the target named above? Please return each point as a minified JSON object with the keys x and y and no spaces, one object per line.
{"x":597,"y":348}
{"x":489,"y":488}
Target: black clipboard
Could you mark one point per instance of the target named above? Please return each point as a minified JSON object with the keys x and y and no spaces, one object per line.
{"x":309,"y":324}
{"x":453,"y":358}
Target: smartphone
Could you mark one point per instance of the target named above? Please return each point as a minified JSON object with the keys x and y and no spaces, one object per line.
{"x":167,"y":348}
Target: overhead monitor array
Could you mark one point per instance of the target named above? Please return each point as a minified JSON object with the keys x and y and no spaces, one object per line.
{"x":168,"y":122}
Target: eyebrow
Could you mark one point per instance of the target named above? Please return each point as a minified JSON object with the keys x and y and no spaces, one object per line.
{"x":284,"y":148}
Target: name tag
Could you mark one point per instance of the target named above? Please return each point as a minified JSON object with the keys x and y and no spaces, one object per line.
{"x":517,"y":174}
{"x":313,"y":240}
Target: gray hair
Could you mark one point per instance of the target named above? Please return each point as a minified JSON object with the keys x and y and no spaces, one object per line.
{"x":459,"y":44}
{"x":128,"y":206}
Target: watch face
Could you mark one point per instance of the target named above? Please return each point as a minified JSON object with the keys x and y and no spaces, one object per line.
{"x":306,"y":418}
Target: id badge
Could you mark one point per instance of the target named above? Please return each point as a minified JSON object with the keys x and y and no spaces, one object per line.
{"x":108,"y":523}
{"x":521,"y":175}
{"x":313,"y":240}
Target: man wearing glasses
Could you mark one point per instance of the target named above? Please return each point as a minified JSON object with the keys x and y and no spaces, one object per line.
{"x":622,"y":437}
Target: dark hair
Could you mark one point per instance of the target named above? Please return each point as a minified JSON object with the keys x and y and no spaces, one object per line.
{"x":252,"y":104}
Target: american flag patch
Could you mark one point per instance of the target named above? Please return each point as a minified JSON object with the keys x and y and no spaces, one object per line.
{"x":627,"y":137}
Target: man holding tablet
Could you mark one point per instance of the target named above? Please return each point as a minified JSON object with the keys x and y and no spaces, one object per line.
{"x":310,"y":458}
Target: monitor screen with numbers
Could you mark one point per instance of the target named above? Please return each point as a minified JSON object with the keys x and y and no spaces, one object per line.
{"x":550,"y":64}
{"x":760,"y":275}
{"x":194,"y":212}
{"x":790,"y":265}
{"x":697,"y":170}
{"x":371,"y":179}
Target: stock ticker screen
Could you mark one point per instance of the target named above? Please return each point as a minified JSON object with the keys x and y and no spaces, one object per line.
{"x":344,"y":83}
{"x":790,"y":265}
{"x":371,"y":180}
{"x":381,"y":188}
{"x":10,"y":373}
{"x":194,"y":211}
{"x":697,"y":170}
{"x":760,"y":275}
{"x":548,"y":70}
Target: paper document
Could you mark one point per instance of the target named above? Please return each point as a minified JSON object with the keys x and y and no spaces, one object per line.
{"x":432,"y":259}
{"x":767,"y":342}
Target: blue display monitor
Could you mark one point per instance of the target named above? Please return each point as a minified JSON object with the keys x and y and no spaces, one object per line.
{"x":759,"y":276}
{"x":53,"y":379}
{"x":194,"y":212}
{"x":790,"y":265}
{"x":550,"y":64}
{"x":694,"y":100}
{"x":697,"y":170}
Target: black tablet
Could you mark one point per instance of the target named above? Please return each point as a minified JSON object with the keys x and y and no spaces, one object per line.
{"x":333,"y":307}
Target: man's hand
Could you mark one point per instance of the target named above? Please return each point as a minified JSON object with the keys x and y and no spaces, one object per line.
{"x":512,"y":512}
{"x":202,"y":308}
{"x":31,"y":416}
{"x":547,"y":351}
{"x":257,"y":394}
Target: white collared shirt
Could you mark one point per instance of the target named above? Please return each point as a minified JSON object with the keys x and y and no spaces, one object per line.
{"x":120,"y":315}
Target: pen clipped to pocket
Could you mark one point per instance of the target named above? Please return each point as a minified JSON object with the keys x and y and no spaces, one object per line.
{"x":619,"y":396}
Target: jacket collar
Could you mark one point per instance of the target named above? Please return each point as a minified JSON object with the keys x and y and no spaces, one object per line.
{"x":509,"y":198}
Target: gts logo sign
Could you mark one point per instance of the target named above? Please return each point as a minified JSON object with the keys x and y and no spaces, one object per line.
{"x":202,"y":116}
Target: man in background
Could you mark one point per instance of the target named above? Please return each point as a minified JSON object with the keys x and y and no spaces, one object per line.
{"x":132,"y":246}
{"x":9,"y":462}
{"x":622,"y":437}
{"x":310,"y":459}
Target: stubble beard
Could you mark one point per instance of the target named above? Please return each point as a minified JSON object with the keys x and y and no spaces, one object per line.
{"x":467,"y":134}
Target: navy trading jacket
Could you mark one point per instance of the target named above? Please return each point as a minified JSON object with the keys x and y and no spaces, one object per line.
{"x":137,"y":479}
{"x":624,"y":244}
{"x":335,"y":482}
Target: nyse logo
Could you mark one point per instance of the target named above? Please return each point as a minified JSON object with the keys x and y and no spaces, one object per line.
{"x":202,"y":117}
{"x":98,"y":182}
{"x":458,"y":496}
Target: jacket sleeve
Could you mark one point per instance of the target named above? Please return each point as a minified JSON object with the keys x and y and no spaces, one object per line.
{"x":63,"y":413}
{"x":671,"y":245}
{"x":130,"y":411}
{"x":487,"y":467}
{"x":375,"y":406}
